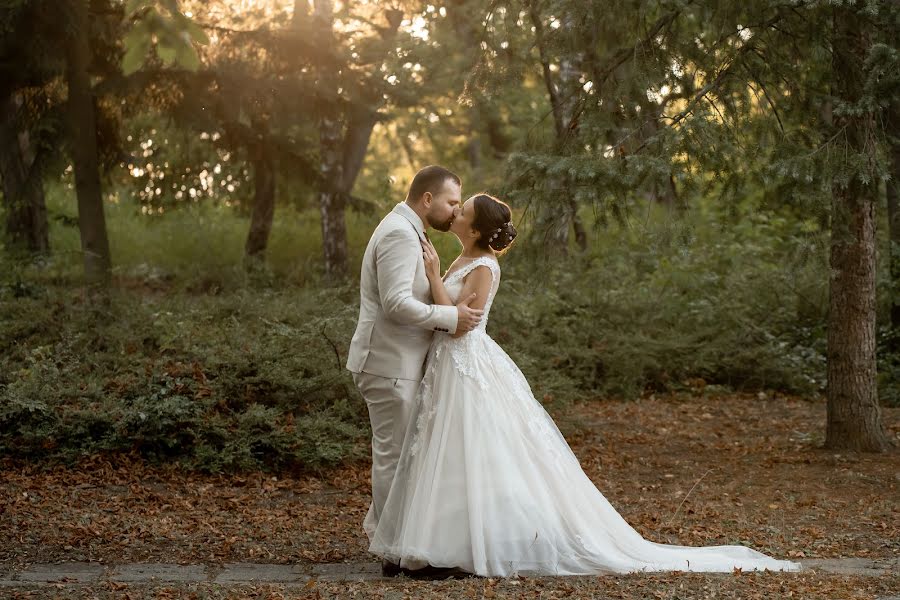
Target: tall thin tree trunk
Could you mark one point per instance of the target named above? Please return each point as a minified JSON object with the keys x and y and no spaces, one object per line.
{"x":556,"y":221}
{"x":854,"y":417}
{"x":893,"y":206}
{"x":344,"y":141}
{"x":263,"y":213}
{"x":331,"y":201}
{"x":23,"y":186}
{"x":83,"y":131}
{"x":552,"y":91}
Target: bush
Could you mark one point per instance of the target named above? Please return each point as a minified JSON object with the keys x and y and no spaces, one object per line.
{"x":661,"y":308}
{"x":228,"y":382}
{"x":191,"y":358}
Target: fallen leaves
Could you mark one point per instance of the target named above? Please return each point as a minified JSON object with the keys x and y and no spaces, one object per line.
{"x":768,"y":491}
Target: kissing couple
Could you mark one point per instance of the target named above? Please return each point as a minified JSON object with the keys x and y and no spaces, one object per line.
{"x":470,"y":475}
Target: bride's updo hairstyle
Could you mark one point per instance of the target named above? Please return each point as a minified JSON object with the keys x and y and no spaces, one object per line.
{"x":493,"y":220}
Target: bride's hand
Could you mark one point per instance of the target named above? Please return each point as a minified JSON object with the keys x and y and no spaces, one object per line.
{"x":432,"y":260}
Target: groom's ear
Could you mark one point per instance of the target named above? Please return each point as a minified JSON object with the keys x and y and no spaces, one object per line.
{"x":426,"y":199}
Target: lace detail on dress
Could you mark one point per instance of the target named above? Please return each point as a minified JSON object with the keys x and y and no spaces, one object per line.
{"x":425,"y":400}
{"x":464,"y":350}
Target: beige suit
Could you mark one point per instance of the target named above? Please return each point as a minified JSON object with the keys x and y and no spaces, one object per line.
{"x":393,"y":333}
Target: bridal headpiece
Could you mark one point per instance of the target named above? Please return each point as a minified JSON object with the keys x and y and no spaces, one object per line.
{"x":499,"y":230}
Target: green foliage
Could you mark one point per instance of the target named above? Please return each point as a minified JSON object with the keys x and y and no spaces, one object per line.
{"x":196,"y":358}
{"x":191,"y":359}
{"x":657,"y":306}
{"x":225,"y":382}
{"x":199,"y":248}
{"x":160,"y":22}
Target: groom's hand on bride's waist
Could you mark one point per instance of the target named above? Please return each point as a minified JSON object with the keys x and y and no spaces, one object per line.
{"x":468,"y":318}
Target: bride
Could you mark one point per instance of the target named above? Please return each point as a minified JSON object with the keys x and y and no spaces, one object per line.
{"x":485,"y":481}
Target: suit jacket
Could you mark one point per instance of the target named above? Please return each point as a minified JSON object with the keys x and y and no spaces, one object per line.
{"x":396,"y":317}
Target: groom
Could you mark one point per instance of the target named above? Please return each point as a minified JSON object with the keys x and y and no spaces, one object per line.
{"x":397,"y":320}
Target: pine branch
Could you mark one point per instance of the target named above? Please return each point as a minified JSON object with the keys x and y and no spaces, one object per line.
{"x":724,"y":72}
{"x":622,"y":55}
{"x":765,"y":93}
{"x":599,"y":75}
{"x":555,"y":104}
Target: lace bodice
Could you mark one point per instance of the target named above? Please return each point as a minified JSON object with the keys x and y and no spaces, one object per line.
{"x":465,"y":351}
{"x":454,"y":284}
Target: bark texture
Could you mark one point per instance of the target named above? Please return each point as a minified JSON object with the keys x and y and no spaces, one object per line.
{"x":854,"y":417}
{"x":83,"y":132}
{"x":893,"y":206}
{"x":23,"y":190}
{"x":263,"y":212}
{"x":343,"y":140}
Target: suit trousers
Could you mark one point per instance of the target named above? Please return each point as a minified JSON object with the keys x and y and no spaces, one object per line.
{"x":390,"y":402}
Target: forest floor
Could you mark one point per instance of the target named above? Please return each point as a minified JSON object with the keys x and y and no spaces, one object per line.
{"x":683,"y":468}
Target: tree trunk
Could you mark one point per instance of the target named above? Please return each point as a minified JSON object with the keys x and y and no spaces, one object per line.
{"x":23,"y":189}
{"x":557,"y":221}
{"x":854,"y":417}
{"x":893,"y":206}
{"x":331,"y":200}
{"x":263,"y":207}
{"x":356,"y":143}
{"x":83,"y":131}
{"x":342,"y":152}
{"x":578,"y":227}
{"x":552,"y":92}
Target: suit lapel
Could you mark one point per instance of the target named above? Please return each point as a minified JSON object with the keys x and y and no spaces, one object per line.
{"x":408,"y":214}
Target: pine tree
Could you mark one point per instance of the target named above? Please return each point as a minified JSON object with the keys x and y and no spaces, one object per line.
{"x":742,"y":94}
{"x":854,"y":417}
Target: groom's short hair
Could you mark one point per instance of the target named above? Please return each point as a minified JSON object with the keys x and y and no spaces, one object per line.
{"x":430,"y":179}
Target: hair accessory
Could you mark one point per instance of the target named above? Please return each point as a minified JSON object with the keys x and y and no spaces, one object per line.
{"x":499,"y":230}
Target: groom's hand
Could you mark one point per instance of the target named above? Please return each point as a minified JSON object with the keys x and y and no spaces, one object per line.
{"x":467,"y":318}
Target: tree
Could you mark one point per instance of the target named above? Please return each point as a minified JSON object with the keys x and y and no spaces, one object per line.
{"x":893,"y":207}
{"x":83,"y":136}
{"x":236,"y":90}
{"x":29,"y":118}
{"x":278,"y":95}
{"x":854,"y":417}
{"x":22,"y":176}
{"x":348,"y":102}
{"x":888,"y":91}
{"x":563,"y":94}
{"x":603,"y":79}
{"x":731,"y":110}
{"x":38,"y":123}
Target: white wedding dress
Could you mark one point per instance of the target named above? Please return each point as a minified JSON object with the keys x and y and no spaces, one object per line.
{"x":486,"y":482}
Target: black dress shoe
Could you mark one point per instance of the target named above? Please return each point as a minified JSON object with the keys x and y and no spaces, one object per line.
{"x":436,"y":573}
{"x":389,"y":569}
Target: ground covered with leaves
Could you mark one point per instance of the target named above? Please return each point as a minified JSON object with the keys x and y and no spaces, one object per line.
{"x":680,"y":586}
{"x":689,"y":469}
